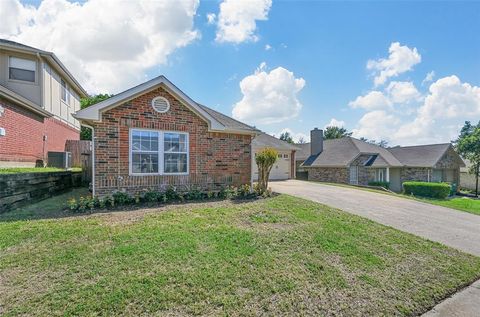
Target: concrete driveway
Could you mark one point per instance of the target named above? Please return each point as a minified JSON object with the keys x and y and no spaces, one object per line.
{"x":454,"y":228}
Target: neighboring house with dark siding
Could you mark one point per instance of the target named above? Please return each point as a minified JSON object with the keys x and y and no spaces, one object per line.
{"x":352,"y":161}
{"x":37,"y":98}
{"x":153,"y":136}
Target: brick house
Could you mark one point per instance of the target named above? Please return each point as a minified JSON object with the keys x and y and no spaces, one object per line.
{"x":352,"y":161}
{"x":37,"y":98}
{"x":154,"y":135}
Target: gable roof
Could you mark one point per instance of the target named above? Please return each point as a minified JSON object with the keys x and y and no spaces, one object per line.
{"x":420,"y":155}
{"x":365,"y":147}
{"x":266,"y":140}
{"x":341,"y":152}
{"x":215,"y":120}
{"x":50,"y":57}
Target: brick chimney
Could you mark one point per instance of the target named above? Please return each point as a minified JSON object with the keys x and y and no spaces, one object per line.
{"x":316,"y":141}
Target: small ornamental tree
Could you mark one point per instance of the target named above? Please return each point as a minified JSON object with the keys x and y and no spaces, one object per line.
{"x":265,"y":160}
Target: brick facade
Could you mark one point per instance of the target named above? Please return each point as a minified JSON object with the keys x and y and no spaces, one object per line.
{"x":328,"y":174}
{"x":215,"y":159}
{"x":24,"y":142}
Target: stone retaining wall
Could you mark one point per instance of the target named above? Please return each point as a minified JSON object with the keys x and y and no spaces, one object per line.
{"x":17,"y":190}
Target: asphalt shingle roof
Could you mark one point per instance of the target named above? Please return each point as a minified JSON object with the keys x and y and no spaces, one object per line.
{"x":421,"y":155}
{"x":227,"y":121}
{"x":266,"y":140}
{"x":340,"y":152}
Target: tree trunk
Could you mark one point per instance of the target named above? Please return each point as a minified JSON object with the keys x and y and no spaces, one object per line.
{"x":477,"y":171}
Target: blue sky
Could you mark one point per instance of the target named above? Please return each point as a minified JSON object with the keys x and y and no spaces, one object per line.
{"x":325,"y":43}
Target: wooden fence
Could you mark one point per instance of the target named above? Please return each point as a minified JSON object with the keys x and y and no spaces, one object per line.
{"x":78,"y":148}
{"x":81,"y":157}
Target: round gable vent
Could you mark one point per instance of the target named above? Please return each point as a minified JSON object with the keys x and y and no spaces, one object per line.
{"x":160,"y":104}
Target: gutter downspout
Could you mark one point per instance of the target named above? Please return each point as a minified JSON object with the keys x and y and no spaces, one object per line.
{"x":93,"y":157}
{"x":252,"y":157}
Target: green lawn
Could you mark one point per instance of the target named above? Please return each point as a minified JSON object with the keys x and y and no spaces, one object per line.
{"x":17,"y":170}
{"x":278,"y":256}
{"x":461,"y":203}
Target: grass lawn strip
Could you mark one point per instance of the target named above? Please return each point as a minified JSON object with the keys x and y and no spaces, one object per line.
{"x":278,"y":256}
{"x":20,"y":170}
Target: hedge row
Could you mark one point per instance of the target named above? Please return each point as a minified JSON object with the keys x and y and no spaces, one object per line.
{"x":424,"y":189}
{"x":150,"y":197}
{"x":379,"y":184}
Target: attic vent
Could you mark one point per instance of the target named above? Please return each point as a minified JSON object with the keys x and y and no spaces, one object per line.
{"x":160,"y":104}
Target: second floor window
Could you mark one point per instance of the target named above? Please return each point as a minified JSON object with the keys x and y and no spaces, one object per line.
{"x":22,"y":69}
{"x":65,"y":92}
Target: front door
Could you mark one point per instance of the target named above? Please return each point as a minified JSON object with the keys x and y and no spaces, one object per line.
{"x":354,"y":175}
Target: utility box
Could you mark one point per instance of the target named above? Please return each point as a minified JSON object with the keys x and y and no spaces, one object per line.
{"x":60,"y":159}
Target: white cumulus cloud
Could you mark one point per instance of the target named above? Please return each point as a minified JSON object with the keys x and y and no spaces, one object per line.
{"x":448,"y":104}
{"x":428,"y":77}
{"x":211,"y":18}
{"x":269,"y":97}
{"x":400,"y":59}
{"x":378,"y":124}
{"x":335,"y":123}
{"x":371,"y":101}
{"x":237,"y":19}
{"x":107,"y":46}
{"x":402,"y":92}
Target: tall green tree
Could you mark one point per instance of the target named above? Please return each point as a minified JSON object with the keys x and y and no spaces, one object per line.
{"x":285,"y":136}
{"x":86,"y":133}
{"x":335,"y":133}
{"x":468,"y":146}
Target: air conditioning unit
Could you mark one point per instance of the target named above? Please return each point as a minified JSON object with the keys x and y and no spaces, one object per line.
{"x":60,"y":159}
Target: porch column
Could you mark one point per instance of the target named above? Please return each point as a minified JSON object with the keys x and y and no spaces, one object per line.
{"x":388,"y":174}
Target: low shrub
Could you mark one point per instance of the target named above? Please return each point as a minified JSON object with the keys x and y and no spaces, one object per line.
{"x":194,"y":194}
{"x":171,"y":194}
{"x":228,"y":192}
{"x":424,"y":189}
{"x":379,"y":184}
{"x":244,"y":191}
{"x":122,"y":198}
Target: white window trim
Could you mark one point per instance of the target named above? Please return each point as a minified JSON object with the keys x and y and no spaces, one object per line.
{"x":23,"y":81}
{"x":161,"y":153}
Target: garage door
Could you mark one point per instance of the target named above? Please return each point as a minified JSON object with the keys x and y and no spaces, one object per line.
{"x":280,"y":170}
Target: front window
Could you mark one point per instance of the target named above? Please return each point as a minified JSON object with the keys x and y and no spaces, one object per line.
{"x":22,"y":69}
{"x":158,"y":152}
{"x":380,"y":175}
{"x":437,"y":176}
{"x":65,"y":92}
{"x":175,"y":152}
